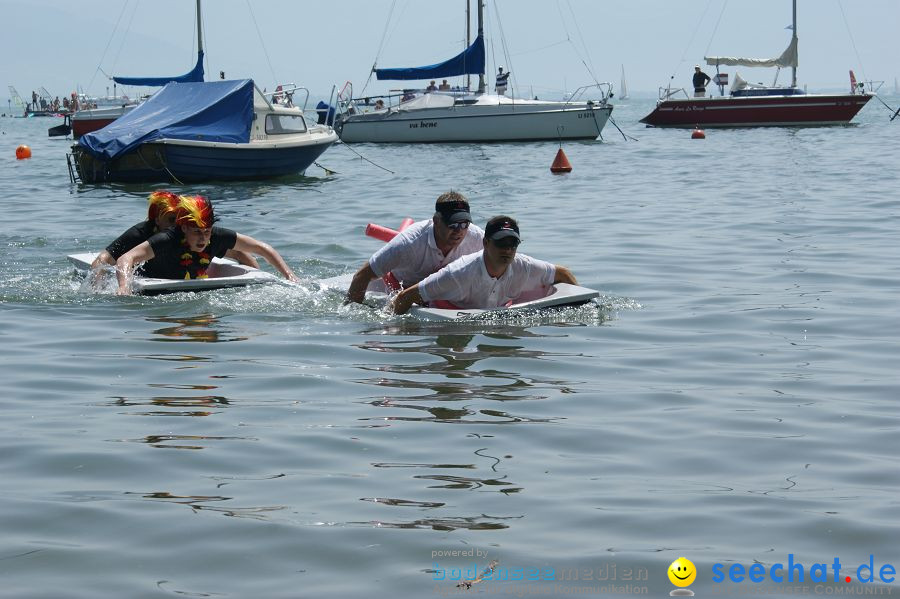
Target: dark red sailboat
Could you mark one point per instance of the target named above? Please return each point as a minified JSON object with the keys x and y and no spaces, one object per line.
{"x":749,"y":105}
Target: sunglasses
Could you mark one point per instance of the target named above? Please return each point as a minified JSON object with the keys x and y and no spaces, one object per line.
{"x":457,"y":226}
{"x":507,"y":243}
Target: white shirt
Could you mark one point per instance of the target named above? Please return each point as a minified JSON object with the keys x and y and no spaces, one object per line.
{"x":413,"y":254}
{"x":467,"y":284}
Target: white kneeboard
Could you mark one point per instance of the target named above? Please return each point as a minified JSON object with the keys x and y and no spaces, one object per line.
{"x":560,"y":294}
{"x":223,"y":273}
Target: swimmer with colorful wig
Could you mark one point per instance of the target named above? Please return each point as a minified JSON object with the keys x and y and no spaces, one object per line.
{"x":186,"y":250}
{"x":161,"y":209}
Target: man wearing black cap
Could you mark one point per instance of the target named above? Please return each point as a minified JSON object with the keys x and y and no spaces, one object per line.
{"x":422,"y":248}
{"x":493,"y":277}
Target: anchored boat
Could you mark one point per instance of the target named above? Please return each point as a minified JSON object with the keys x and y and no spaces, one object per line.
{"x":460,"y":115}
{"x":191,"y":132}
{"x":750,"y":105}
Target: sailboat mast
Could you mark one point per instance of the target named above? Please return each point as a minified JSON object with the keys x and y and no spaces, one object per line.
{"x":468,"y":38}
{"x":793,"y":41}
{"x":199,"y":30}
{"x":481,"y":35}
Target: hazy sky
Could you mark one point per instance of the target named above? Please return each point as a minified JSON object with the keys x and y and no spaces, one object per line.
{"x":549,"y":45}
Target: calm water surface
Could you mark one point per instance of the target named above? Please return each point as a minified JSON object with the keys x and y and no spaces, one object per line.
{"x":730,"y":398}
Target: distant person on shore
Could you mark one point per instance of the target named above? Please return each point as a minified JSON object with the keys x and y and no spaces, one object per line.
{"x":701,"y":80}
{"x":161,"y":211}
{"x":422,"y":248}
{"x":502,"y":81}
{"x":491,"y":278}
{"x":186,"y":250}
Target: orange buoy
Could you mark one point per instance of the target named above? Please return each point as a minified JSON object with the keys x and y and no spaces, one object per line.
{"x":698,"y":133}
{"x":560,"y":163}
{"x":23,"y":152}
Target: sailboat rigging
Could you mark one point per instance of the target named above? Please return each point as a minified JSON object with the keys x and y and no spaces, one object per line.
{"x":91,"y":119}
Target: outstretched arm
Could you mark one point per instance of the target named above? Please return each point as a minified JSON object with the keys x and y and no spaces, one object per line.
{"x":564,"y":275}
{"x":103,"y":257}
{"x":245,"y":243}
{"x":126,"y":263}
{"x":361,"y":280}
{"x":406,"y":298}
{"x":242,"y":258}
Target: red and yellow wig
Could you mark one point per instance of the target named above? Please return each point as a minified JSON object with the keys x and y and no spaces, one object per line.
{"x":195,"y":211}
{"x":161,"y":203}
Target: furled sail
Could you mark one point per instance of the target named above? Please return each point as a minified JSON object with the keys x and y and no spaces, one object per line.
{"x":788,"y":58}
{"x":468,"y":62}
{"x":194,"y":76}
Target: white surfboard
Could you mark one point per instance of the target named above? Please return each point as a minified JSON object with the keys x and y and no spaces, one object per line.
{"x":561,"y":294}
{"x":223,"y":273}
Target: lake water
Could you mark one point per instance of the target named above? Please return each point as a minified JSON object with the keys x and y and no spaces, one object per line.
{"x":730,"y":398}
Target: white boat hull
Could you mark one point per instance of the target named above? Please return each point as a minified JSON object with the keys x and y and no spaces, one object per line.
{"x":525,"y":120}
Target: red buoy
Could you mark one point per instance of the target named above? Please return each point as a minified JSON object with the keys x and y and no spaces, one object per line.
{"x":406,"y":222}
{"x":23,"y":152}
{"x":698,"y":134}
{"x":560,"y":163}
{"x":385,"y":234}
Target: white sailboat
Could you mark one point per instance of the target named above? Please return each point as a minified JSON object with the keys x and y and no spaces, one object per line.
{"x":623,"y":89}
{"x":459,"y":115}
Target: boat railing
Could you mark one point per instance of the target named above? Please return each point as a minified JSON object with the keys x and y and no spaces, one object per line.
{"x":605,"y":88}
{"x":348,"y":104}
{"x":667,"y":93}
{"x":284,"y":95}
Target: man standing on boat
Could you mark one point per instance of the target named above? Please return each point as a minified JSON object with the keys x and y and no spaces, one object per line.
{"x":186,"y":250}
{"x":502,"y":80}
{"x":701,"y":80}
{"x":422,"y":248}
{"x":491,"y":278}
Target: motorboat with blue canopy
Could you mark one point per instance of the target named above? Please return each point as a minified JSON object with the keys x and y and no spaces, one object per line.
{"x":189,"y":132}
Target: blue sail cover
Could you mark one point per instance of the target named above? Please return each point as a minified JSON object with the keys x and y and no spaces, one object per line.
{"x":218,"y":111}
{"x":194,"y":76}
{"x":468,"y":62}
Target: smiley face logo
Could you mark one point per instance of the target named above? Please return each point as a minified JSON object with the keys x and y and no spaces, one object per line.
{"x":682,"y":572}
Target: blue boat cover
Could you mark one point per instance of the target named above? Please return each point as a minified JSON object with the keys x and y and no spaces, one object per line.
{"x":219,"y":111}
{"x":194,"y":76}
{"x":468,"y":62}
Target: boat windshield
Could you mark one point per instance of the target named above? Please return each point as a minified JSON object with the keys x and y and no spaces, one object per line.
{"x":282,"y":124}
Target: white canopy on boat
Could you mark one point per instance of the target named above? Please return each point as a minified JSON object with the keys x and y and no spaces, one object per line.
{"x":788,"y":58}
